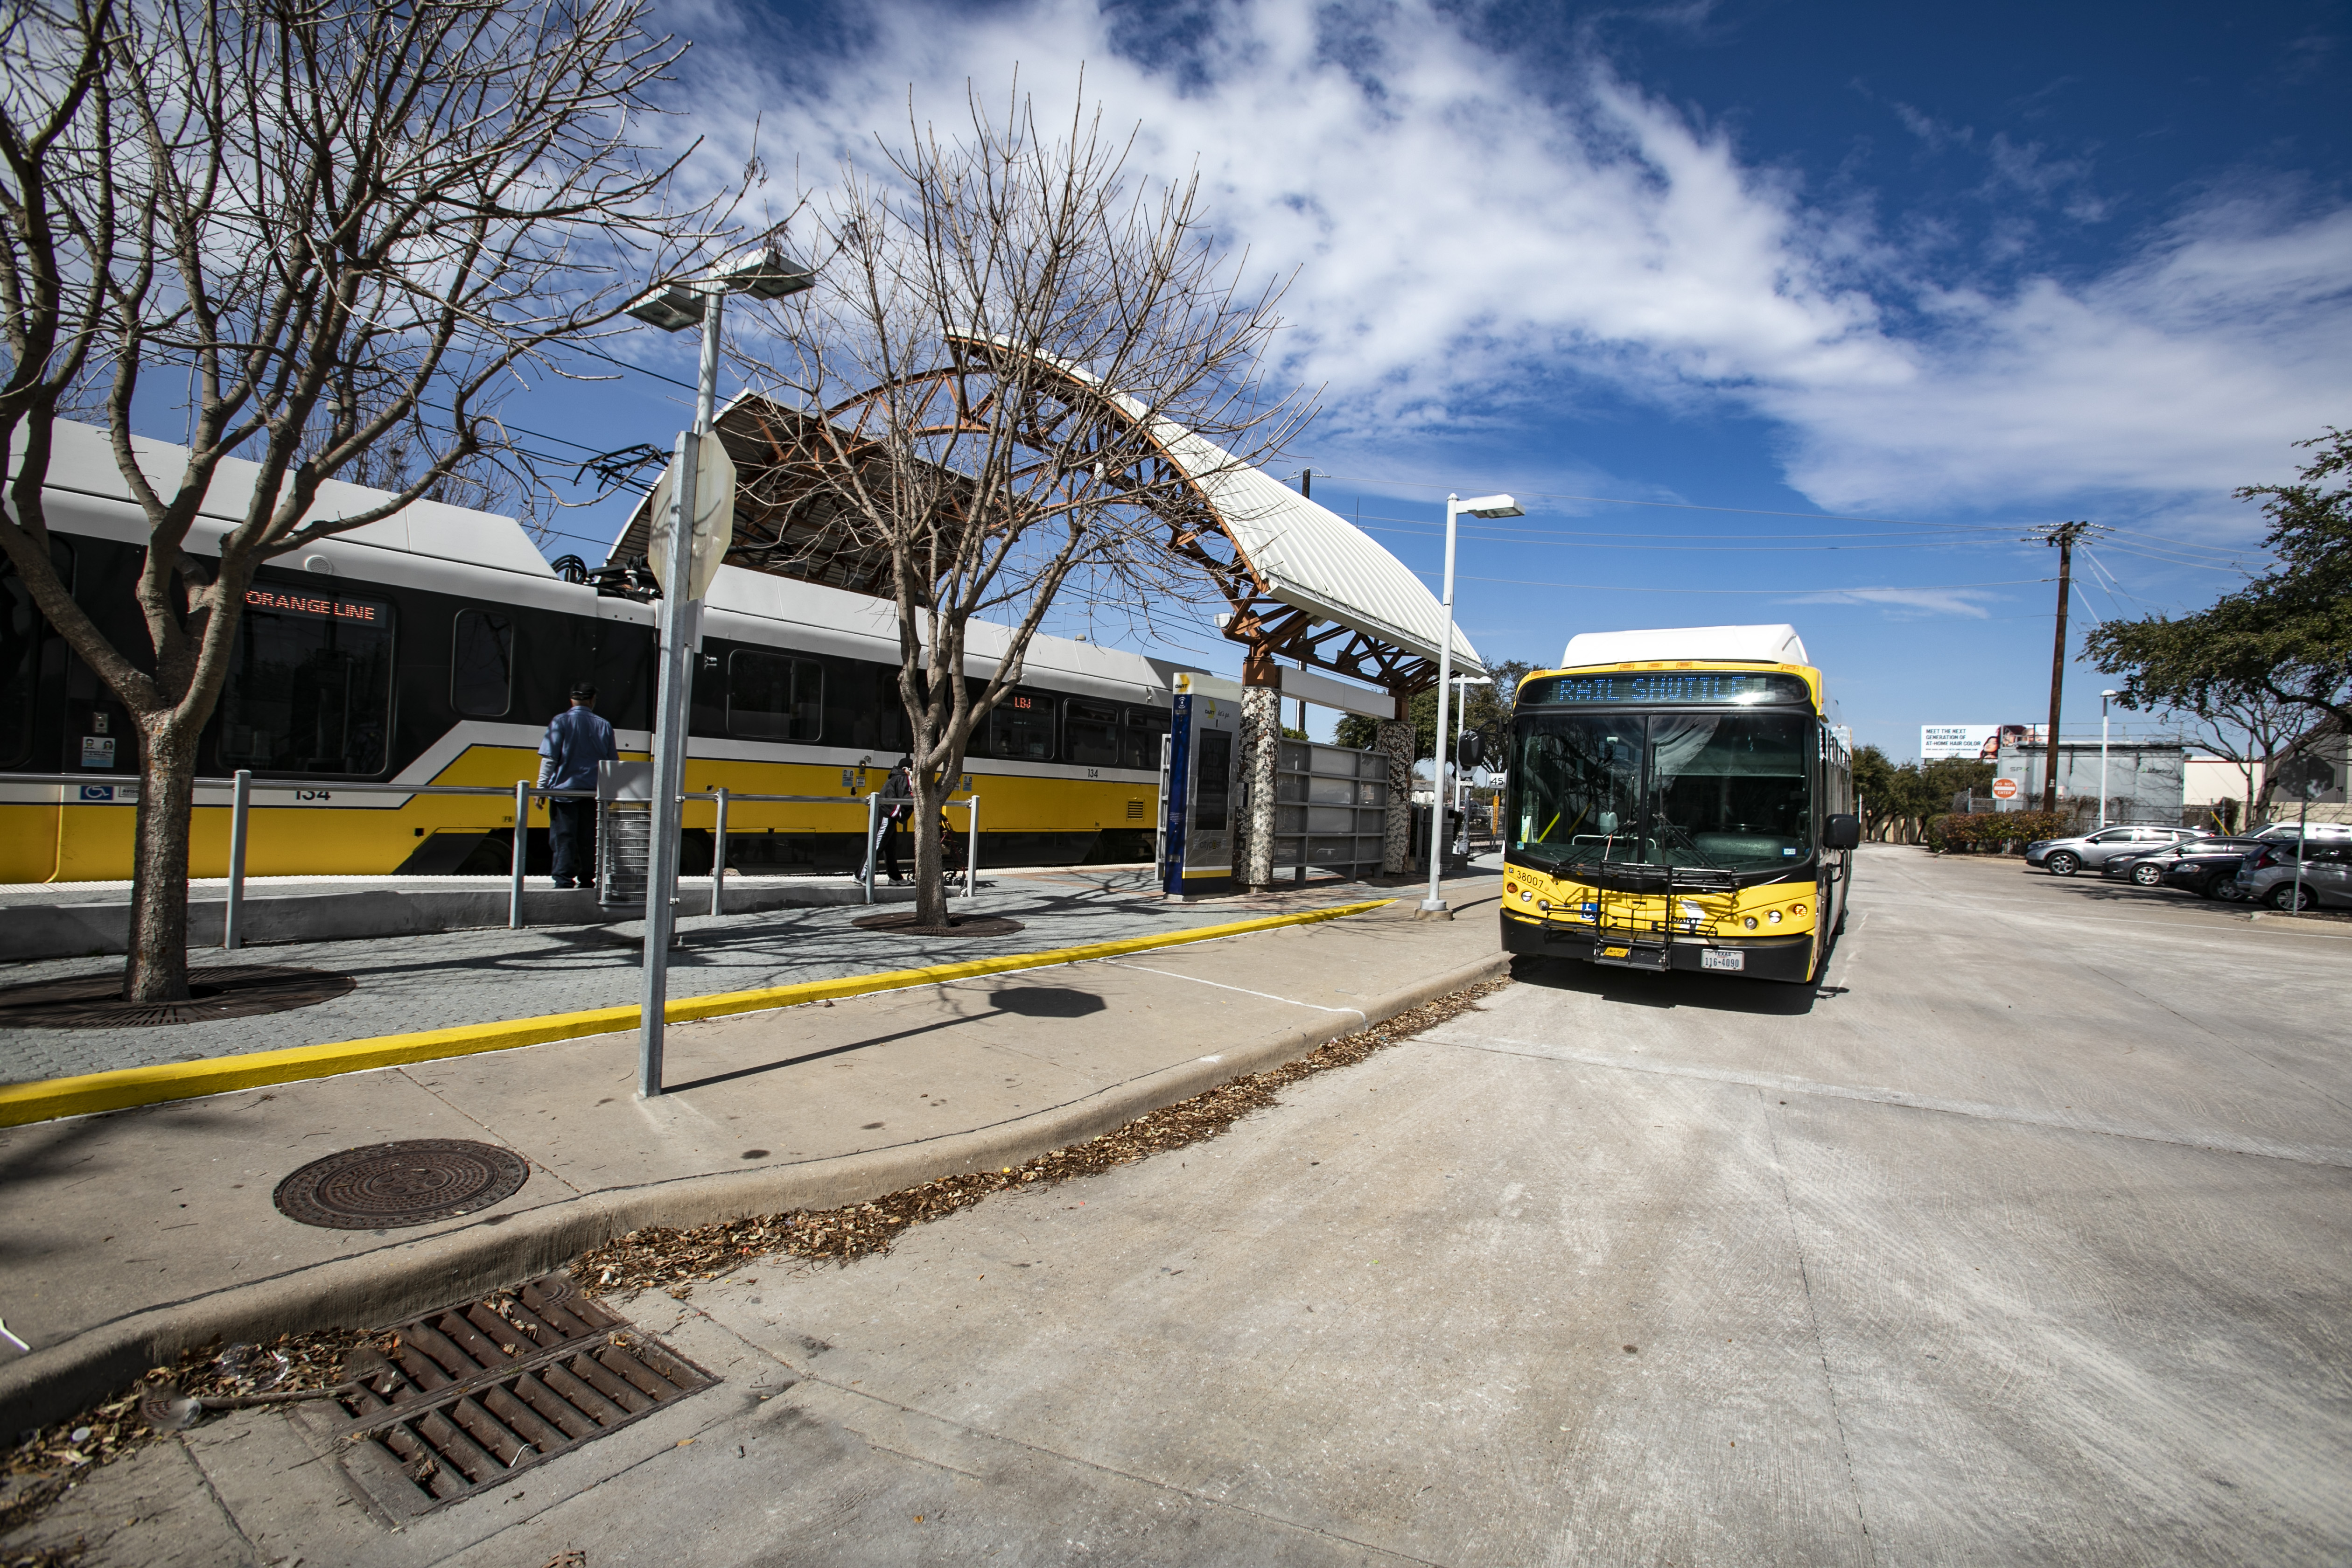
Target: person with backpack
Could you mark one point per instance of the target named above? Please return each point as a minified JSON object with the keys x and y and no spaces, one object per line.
{"x":577,"y":740}
{"x":899,"y":790}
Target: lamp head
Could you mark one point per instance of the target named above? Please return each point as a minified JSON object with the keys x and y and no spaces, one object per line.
{"x":767,"y":274}
{"x":1491,"y":506}
{"x":673,"y":308}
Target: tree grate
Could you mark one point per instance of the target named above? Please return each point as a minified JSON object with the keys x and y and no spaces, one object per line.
{"x":472,"y":1394}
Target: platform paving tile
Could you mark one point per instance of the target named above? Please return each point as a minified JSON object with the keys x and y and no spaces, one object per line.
{"x":452,"y":978}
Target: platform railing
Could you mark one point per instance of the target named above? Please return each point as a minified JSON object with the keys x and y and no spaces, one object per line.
{"x":241,"y":785}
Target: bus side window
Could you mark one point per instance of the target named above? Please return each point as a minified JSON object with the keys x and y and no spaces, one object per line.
{"x":481,"y":664}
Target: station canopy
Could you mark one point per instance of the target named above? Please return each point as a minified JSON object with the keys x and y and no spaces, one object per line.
{"x":1301,"y":582}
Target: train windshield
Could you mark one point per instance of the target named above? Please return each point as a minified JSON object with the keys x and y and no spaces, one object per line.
{"x":1727,"y":791}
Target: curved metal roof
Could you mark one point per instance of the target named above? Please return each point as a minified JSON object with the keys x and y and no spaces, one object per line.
{"x":1305,"y":555}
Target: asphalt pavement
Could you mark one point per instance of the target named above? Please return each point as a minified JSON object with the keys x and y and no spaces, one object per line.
{"x":2024,"y":1237}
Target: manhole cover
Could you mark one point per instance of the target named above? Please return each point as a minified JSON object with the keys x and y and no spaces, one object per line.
{"x":387,"y":1186}
{"x":957,"y":925}
{"x":232,"y":991}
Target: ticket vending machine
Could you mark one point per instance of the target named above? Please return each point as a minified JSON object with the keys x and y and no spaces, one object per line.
{"x":1203,"y":793}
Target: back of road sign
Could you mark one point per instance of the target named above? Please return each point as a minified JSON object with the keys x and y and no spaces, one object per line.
{"x":714,"y":516}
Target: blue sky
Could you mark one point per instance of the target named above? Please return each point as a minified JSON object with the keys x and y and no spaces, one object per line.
{"x":1849,"y":296}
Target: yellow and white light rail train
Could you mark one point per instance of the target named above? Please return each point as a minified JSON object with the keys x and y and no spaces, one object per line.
{"x":432,"y":648}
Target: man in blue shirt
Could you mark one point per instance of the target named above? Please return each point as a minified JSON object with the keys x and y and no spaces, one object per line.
{"x":577,"y":740}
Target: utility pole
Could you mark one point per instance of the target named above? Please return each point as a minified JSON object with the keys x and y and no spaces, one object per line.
{"x":2062,"y":536}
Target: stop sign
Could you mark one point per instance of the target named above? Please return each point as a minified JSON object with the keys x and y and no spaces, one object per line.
{"x":2004,"y":789}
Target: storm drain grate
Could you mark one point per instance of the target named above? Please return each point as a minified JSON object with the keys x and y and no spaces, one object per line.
{"x":475,"y":1393}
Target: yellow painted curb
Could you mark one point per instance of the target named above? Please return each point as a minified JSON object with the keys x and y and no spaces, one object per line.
{"x":48,"y":1099}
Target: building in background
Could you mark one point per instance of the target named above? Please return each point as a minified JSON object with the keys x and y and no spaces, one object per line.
{"x":2146,"y":779}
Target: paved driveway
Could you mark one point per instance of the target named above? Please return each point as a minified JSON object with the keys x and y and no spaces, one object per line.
{"x":2022,"y":1240}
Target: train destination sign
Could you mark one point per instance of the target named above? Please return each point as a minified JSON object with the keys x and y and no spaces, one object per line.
{"x":310,"y":605}
{"x":1663,"y":688}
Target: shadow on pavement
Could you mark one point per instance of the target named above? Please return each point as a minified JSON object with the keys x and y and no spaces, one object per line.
{"x":1023,"y":1001}
{"x":1675,"y":988}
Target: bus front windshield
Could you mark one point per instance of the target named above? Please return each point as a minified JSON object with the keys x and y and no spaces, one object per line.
{"x":1727,"y":791}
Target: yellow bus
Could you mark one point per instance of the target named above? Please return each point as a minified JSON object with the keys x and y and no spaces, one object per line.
{"x":1680,"y":799}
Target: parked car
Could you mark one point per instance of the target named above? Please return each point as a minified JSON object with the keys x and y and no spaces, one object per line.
{"x":2267,"y":875}
{"x":2146,"y":864}
{"x":2318,"y":830}
{"x":2065,"y":857}
{"x":2207,"y":867}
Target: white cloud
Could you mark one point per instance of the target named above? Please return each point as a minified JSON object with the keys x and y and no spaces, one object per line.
{"x":1468,"y":246}
{"x":1972,"y":602}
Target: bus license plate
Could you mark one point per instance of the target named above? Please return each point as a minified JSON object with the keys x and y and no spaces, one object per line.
{"x":1721,"y":957}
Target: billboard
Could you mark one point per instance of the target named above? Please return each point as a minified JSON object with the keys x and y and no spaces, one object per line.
{"x":1976,"y":742}
{"x":1938,"y":741}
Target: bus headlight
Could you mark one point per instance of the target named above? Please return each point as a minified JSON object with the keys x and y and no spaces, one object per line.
{"x":1798,"y":911}
{"x":1774,"y":917}
{"x":1543,"y":906}
{"x":1750,"y":922}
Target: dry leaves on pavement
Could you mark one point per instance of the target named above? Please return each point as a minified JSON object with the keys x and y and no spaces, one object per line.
{"x":676,"y":1260}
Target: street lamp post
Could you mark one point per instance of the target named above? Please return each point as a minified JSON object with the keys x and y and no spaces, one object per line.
{"x":767,"y":275}
{"x":2104,"y":698}
{"x":1480,"y":506}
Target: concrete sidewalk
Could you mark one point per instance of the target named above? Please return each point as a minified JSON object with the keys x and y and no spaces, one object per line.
{"x":131,"y":1235}
{"x":449,"y":979}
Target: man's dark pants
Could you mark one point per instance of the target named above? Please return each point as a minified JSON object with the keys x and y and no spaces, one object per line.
{"x":572,"y":835}
{"x":890,"y":846}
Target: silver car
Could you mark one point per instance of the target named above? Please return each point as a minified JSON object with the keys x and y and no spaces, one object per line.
{"x":2065,"y":857}
{"x":2268,"y":877}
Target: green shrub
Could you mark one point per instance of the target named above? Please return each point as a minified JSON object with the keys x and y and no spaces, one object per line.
{"x":1994,"y":832}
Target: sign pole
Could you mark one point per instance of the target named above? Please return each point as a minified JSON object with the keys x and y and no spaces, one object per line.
{"x":669,"y":724}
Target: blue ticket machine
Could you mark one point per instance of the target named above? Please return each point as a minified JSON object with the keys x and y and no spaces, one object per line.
{"x":1204,"y":765}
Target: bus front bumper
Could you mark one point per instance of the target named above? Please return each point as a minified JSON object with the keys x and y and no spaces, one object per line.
{"x":1786,"y":958}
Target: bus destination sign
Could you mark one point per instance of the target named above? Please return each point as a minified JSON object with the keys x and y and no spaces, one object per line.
{"x":1663,"y":688}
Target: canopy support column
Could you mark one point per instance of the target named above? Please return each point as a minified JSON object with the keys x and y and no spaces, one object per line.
{"x":1395,"y":738}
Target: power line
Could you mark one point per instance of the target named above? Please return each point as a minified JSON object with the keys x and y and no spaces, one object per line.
{"x":1799,"y":588}
{"x":1688,"y":506}
{"x":1692,"y":549}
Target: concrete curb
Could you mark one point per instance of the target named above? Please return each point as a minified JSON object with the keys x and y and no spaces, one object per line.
{"x":403,"y":1279}
{"x":47,"y":1099}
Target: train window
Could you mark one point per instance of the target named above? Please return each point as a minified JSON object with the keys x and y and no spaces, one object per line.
{"x":21,"y":629}
{"x":774,"y":696}
{"x":309,"y":684}
{"x":481,"y":664}
{"x":1090,"y":732}
{"x":1021,"y":727}
{"x":1139,"y":745}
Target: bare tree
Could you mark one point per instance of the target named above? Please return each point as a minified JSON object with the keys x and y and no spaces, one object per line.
{"x":2251,"y":728}
{"x":1010,"y":336}
{"x":349,"y":224}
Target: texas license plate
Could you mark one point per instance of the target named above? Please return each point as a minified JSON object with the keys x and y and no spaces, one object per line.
{"x":1722,"y":958}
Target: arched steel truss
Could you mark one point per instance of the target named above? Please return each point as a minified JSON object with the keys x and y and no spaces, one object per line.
{"x":790,"y":517}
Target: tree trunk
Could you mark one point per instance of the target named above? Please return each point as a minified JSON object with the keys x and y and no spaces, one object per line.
{"x":158,"y":966}
{"x":930,"y":868}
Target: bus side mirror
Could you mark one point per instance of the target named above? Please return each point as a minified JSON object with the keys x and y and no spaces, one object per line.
{"x":1840,"y":830}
